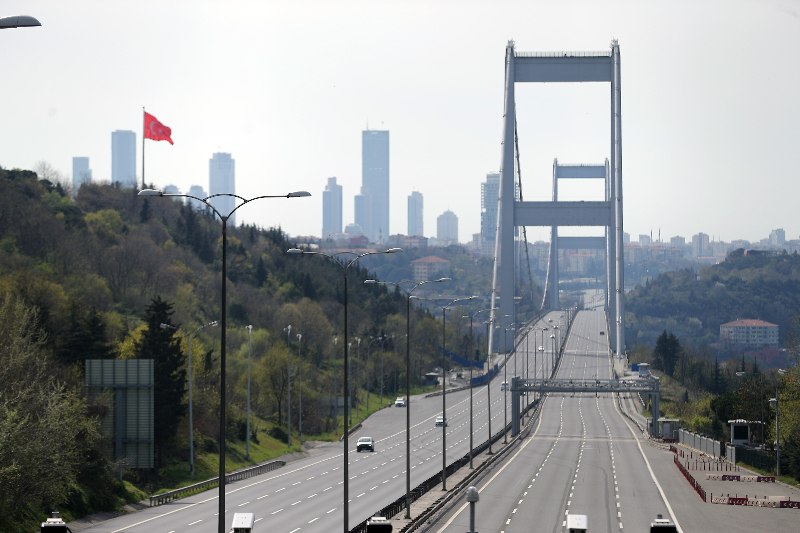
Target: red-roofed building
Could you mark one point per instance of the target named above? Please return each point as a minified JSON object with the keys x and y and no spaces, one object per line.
{"x":431,"y":267}
{"x":749,"y":333}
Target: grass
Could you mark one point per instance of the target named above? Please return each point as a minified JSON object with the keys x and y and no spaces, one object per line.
{"x":792,"y":482}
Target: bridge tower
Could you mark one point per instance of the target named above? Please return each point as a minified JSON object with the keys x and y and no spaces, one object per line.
{"x":542,"y":67}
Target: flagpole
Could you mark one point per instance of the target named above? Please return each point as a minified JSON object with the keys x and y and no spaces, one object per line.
{"x":143,"y":133}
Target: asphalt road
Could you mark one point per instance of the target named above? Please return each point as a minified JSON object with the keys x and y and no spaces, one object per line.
{"x":307,"y":495}
{"x":579,"y":458}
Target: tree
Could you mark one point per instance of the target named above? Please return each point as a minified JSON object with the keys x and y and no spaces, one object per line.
{"x":666,"y":352}
{"x":86,"y":338}
{"x":169,"y":376}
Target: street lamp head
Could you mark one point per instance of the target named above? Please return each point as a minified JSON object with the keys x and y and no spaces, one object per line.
{"x":298,"y":194}
{"x":165,"y":326}
{"x":18,"y":21}
{"x":740,"y":373}
{"x":150,"y":192}
{"x":773,"y":402}
{"x":442,"y":279}
{"x":291,"y":250}
{"x":215,"y":323}
{"x":367,"y":281}
{"x":782,"y":371}
{"x":249,"y":328}
{"x":392,"y":250}
{"x":335,"y":340}
{"x":288,"y":328}
{"x":472,"y":495}
{"x":299,"y":336}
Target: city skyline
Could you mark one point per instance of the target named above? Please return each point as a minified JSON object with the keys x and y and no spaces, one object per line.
{"x":222,"y":180}
{"x":445,"y":120}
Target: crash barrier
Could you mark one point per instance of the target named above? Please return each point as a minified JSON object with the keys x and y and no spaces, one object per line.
{"x":731,"y":477}
{"x":776,"y":502}
{"x":416,"y":493}
{"x":165,"y":497}
{"x":695,"y":485}
{"x":754,"y":458}
{"x":484,"y":379}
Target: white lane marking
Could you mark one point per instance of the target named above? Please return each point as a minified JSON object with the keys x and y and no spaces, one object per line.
{"x":284,"y":488}
{"x":193,"y":523}
{"x":278,"y":511}
{"x":314,"y":520}
{"x":329,"y":488}
{"x":257,"y":519}
{"x":298,"y":501}
{"x":311,"y":496}
{"x":293,"y":531}
{"x":264,"y":496}
{"x":242,"y":504}
{"x":332,"y":510}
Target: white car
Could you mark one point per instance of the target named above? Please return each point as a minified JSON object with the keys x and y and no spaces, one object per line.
{"x":400,"y":402}
{"x":441,"y":421}
{"x":504,"y":386}
{"x":365,"y":443}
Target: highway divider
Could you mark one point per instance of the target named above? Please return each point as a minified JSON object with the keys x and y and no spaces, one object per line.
{"x":169,"y":496}
{"x":695,"y":485}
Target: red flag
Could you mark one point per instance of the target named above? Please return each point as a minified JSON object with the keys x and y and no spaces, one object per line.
{"x":155,"y":130}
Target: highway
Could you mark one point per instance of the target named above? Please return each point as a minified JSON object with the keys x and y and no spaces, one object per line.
{"x":307,"y":495}
{"x":580,"y":457}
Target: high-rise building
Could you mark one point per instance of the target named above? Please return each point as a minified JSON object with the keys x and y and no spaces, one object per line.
{"x":677,"y":242}
{"x":362,"y":206}
{"x":81,"y":173}
{"x":644,"y":240}
{"x":490,"y":190}
{"x":331,"y":208}
{"x":123,"y":158}
{"x":447,"y":228}
{"x":375,"y":183}
{"x":700,"y":246}
{"x":415,"y":226}
{"x":777,"y":237}
{"x":198,"y":192}
{"x":221,"y":180}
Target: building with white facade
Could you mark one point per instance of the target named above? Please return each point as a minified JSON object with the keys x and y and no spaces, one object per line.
{"x":222,"y":180}
{"x":331,"y":209}
{"x":415,"y":223}
{"x":81,"y":173}
{"x":430,"y":268}
{"x":700,"y":246}
{"x":123,"y":158}
{"x":490,"y":190}
{"x":749,"y":333}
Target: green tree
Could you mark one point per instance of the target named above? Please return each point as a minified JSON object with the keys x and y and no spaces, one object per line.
{"x":169,"y":375}
{"x":666,"y":352}
{"x":86,"y":338}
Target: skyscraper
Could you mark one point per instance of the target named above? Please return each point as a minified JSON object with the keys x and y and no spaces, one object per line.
{"x":362,"y":205}
{"x":447,"y":228}
{"x":490,"y":190}
{"x":700,"y":246}
{"x":123,"y":158}
{"x":375,"y":182}
{"x":222,"y":179}
{"x":81,"y":173}
{"x":415,"y":226}
{"x":198,"y":192}
{"x":331,"y":208}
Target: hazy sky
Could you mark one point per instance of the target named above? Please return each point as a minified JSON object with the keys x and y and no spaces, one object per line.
{"x":710,"y":101}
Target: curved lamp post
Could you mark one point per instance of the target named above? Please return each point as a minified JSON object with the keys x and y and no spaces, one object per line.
{"x":408,"y":374}
{"x":471,"y":352}
{"x":443,"y":307}
{"x":191,"y":428}
{"x":224,"y":219}
{"x":18,"y":21}
{"x":288,"y":330}
{"x":249,"y":338}
{"x":369,"y":348}
{"x":300,"y":388}
{"x":345,"y":266}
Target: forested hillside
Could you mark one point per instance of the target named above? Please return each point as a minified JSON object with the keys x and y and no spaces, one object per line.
{"x":93,"y":277}
{"x":693,"y":305}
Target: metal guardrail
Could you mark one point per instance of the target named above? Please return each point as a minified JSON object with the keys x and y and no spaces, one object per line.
{"x":169,"y":496}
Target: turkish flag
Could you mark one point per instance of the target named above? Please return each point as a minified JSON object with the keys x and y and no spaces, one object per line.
{"x":155,"y":130}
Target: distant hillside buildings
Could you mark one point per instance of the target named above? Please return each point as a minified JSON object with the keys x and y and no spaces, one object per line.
{"x":749,"y":333}
{"x":222,"y":180}
{"x":430,"y":268}
{"x":81,"y":173}
{"x":331,"y":209}
{"x":123,"y":158}
{"x":415,"y":222}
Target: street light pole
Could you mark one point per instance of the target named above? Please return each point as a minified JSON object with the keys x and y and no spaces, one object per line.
{"x":444,"y":307}
{"x":369,"y":351}
{"x":249,"y":338}
{"x":471,"y":353}
{"x":335,"y":390}
{"x":408,"y":374}
{"x":358,"y":373}
{"x":288,"y":330}
{"x":191,"y":428}
{"x":300,"y":388}
{"x":345,"y":268}
{"x":223,"y":352}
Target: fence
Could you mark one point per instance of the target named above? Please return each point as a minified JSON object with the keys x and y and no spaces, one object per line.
{"x":484,"y":379}
{"x":701,"y":443}
{"x":165,"y":497}
{"x":461,"y":361}
{"x":755,"y":459}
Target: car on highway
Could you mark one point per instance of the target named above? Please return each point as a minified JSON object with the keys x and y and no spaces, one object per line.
{"x":602,"y":333}
{"x":400,"y":402}
{"x":504,"y":386}
{"x":441,"y":421}
{"x":365,"y":443}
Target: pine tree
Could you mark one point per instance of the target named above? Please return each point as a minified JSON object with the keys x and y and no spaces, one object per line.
{"x":86,"y":338}
{"x":169,"y":383}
